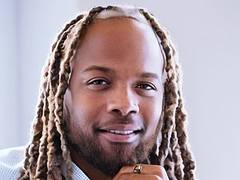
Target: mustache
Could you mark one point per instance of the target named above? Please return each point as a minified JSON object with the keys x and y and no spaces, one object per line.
{"x":123,"y":120}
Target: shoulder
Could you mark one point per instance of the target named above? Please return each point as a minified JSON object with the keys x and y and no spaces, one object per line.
{"x":11,"y":161}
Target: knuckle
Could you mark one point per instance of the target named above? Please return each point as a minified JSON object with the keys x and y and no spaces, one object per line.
{"x":156,"y":177}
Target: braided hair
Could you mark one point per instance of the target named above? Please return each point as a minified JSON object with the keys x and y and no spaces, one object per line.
{"x":48,"y":156}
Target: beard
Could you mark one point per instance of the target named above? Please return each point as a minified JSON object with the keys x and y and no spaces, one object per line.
{"x":111,"y":161}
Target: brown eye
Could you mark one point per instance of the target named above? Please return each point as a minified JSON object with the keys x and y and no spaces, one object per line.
{"x":98,"y":83}
{"x":146,"y":86}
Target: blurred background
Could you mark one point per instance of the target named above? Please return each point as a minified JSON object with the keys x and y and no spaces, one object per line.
{"x":206,"y":33}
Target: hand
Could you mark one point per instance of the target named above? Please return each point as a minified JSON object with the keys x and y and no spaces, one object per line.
{"x":149,"y":172}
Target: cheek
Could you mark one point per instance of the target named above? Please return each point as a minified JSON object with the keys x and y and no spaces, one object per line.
{"x":84,"y":112}
{"x":151,"y":112}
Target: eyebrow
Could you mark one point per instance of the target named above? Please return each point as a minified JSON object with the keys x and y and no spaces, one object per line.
{"x":149,"y":75}
{"x":110,"y":71}
{"x":99,"y":68}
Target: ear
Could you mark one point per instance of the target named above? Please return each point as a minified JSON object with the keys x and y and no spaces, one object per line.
{"x":159,"y":130}
{"x":67,"y":103}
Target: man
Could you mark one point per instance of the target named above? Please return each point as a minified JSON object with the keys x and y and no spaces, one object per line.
{"x":110,"y":106}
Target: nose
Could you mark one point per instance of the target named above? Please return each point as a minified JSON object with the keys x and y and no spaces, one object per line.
{"x":123,"y":101}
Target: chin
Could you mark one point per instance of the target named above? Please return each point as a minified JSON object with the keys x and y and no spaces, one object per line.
{"x":110,"y":157}
{"x":111,"y":161}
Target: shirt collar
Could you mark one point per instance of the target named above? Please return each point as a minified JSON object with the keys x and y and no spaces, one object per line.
{"x":78,"y":173}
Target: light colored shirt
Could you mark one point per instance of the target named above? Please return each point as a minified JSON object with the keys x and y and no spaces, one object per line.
{"x":12,"y":159}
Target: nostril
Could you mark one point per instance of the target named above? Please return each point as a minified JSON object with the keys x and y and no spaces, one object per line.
{"x":117,"y":111}
{"x":123,"y":112}
{"x":122,"y":108}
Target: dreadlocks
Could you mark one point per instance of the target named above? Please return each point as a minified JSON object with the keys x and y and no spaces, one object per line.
{"x":48,"y":155}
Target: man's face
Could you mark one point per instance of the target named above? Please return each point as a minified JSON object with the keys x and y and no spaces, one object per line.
{"x":114,"y":100}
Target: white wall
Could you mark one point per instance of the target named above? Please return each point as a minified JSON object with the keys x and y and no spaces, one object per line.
{"x":207,"y":36}
{"x":9,"y":112}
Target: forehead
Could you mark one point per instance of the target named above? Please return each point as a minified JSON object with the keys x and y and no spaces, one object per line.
{"x":114,"y":41}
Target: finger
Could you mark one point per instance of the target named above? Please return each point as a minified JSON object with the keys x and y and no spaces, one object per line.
{"x":129,"y":176}
{"x":146,"y":170}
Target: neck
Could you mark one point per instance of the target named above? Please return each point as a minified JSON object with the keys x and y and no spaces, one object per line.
{"x":92,"y":172}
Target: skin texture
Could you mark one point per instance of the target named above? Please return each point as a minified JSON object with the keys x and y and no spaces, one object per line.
{"x":116,"y":84}
{"x":148,"y":172}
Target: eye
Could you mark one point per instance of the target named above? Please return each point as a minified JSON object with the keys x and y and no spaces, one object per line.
{"x":146,"y":86}
{"x":98,"y":83}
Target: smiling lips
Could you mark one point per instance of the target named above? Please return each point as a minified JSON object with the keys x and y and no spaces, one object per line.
{"x":120,"y":135}
{"x":126,"y":132}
